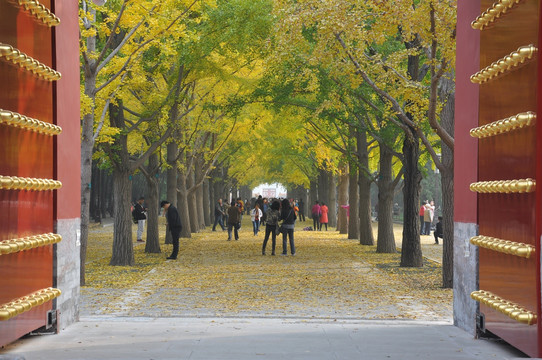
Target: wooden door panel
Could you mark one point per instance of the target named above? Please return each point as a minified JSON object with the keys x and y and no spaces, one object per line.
{"x":26,"y":172}
{"x":510,"y":297}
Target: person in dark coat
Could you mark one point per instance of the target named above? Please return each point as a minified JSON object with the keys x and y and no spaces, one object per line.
{"x":301,"y":207}
{"x":438,"y":230}
{"x":175,"y":226}
{"x":234,"y":219}
{"x":288,"y":217}
{"x":271,"y":226}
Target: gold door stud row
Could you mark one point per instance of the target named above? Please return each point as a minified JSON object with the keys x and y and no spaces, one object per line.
{"x":510,"y":62}
{"x":17,"y":120}
{"x":508,"y":308}
{"x":489,"y":16}
{"x":27,"y":243}
{"x":16,"y":57}
{"x":39,"y":11}
{"x":511,"y":123}
{"x":504,"y":186}
{"x":26,"y":303}
{"x":503,"y":246}
{"x":20,"y":183}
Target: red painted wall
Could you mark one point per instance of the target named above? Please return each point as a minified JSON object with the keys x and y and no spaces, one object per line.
{"x":466,"y":112}
{"x":68,"y":146}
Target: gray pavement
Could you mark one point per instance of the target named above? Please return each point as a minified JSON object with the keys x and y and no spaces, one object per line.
{"x":195,"y":338}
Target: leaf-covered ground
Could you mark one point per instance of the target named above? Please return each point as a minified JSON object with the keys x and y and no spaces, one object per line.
{"x":329,"y":277}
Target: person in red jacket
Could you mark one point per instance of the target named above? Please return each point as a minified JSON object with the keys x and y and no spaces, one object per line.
{"x":323,"y":217}
{"x":422,"y":213}
{"x":316,"y":211}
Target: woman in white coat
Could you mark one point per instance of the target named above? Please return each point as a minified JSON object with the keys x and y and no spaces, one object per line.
{"x":256,"y":216}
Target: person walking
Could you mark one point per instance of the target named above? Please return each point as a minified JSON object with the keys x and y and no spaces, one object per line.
{"x":256,"y":216}
{"x":324,"y":210}
{"x":175,"y":226}
{"x":271,"y":225}
{"x":301,"y":206}
{"x":219,"y":215}
{"x":139,"y":214}
{"x":316,"y":212}
{"x":287,"y":215}
{"x":234,"y":220}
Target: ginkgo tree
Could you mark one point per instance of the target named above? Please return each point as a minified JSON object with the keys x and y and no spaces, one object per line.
{"x":113,"y":35}
{"x":180,"y":36}
{"x":351,"y":39}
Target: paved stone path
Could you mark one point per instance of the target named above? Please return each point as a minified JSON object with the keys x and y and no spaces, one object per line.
{"x":328,"y":278}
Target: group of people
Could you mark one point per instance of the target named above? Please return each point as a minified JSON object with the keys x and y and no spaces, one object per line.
{"x":261,"y":213}
{"x":427,"y":214}
{"x":286,"y":211}
{"x":232,"y":213}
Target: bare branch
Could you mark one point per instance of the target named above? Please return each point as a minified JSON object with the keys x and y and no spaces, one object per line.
{"x":112,"y":35}
{"x":102,"y":119}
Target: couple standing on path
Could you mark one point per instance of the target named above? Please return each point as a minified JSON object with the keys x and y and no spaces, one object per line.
{"x":427,"y":212}
{"x":319,"y":215}
{"x":275,"y":214}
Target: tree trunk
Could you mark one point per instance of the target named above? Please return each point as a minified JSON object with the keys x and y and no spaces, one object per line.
{"x":153,"y":242}
{"x":411,"y":251}
{"x":104,"y":193}
{"x":447,"y":182}
{"x":86,"y":175}
{"x":172,"y":152}
{"x":386,"y":240}
{"x":192,"y":203}
{"x":94,"y":207}
{"x":218,"y":192}
{"x":182,"y":205}
{"x":365,"y":223}
{"x":171,"y":180}
{"x":342,"y":224}
{"x":199,"y":206}
{"x":353,"y":196}
{"x":447,"y":227}
{"x":306,"y":202}
{"x":323,"y":184}
{"x":207,"y":203}
{"x":332,"y":200}
{"x":313,"y":194}
{"x":87,"y":147}
{"x":123,"y":250}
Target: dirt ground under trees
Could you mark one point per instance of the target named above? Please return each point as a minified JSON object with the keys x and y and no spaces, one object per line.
{"x":330,"y":277}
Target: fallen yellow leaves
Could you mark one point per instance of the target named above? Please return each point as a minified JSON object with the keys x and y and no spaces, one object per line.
{"x":330,"y":276}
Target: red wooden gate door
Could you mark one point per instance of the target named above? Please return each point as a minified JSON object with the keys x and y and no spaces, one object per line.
{"x":26,"y":166}
{"x":509,"y":167}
